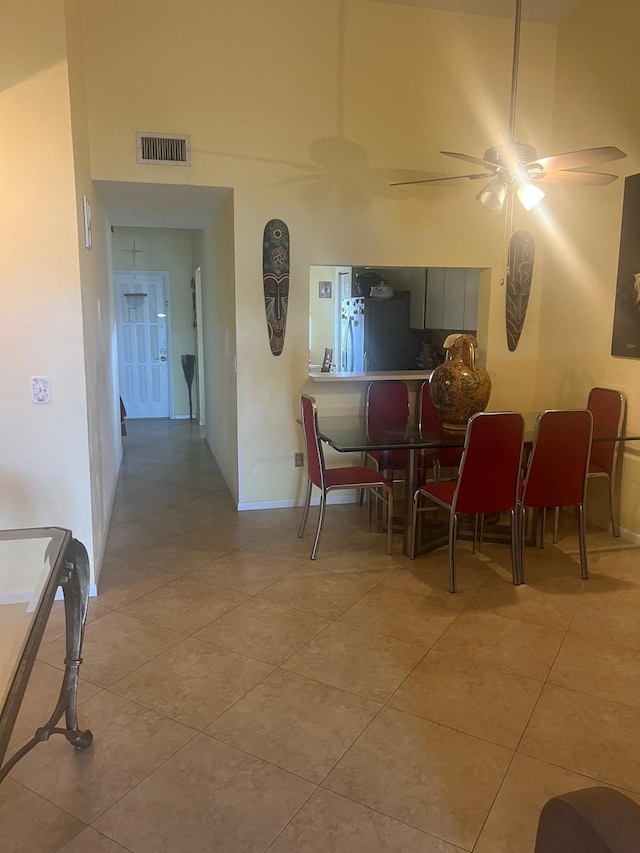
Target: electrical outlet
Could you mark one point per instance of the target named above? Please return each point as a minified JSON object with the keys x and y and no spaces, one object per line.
{"x":298,"y":460}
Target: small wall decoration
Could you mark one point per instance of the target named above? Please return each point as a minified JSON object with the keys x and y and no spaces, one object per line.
{"x":626,"y":318}
{"x":324,"y":290}
{"x":275,"y":277}
{"x":522,"y":249}
{"x":86,"y":216}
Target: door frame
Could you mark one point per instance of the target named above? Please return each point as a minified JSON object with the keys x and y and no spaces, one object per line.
{"x":165,"y":280}
{"x":197,"y":277}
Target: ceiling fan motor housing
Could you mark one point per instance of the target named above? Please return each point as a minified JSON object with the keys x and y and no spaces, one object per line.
{"x":511,"y":154}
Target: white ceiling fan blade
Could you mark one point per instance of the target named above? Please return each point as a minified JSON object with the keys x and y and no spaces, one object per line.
{"x":469,"y":159}
{"x":435,"y":180}
{"x":593,"y":179}
{"x":577,"y":159}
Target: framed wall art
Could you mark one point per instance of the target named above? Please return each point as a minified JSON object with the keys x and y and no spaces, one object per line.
{"x":324,"y":290}
{"x":625,"y":340}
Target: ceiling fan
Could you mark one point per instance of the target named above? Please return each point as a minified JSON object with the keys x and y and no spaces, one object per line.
{"x":516,"y":164}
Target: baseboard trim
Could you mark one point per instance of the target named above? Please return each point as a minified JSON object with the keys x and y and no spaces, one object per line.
{"x":345,"y":498}
{"x":630,"y":536}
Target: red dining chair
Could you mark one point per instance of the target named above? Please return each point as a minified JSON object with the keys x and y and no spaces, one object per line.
{"x":608,"y":409}
{"x":430,"y":421}
{"x":488,"y":481}
{"x":557,"y":472}
{"x":329,"y":479}
{"x":386,"y":407}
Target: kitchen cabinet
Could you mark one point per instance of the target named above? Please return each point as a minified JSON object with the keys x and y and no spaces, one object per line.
{"x":445,"y":298}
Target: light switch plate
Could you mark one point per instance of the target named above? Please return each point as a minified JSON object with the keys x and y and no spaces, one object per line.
{"x":40,"y":391}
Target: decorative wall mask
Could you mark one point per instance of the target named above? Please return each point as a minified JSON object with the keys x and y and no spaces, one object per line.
{"x":275,"y":277}
{"x":522,"y":249}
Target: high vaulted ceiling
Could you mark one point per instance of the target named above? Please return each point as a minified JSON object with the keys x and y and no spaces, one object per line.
{"x":550,"y":11}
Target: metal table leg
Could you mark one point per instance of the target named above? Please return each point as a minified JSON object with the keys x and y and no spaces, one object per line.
{"x":74,"y":581}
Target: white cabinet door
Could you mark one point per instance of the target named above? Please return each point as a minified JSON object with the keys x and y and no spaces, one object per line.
{"x":454,"y":291}
{"x":417,"y":285}
{"x":471,"y":293}
{"x":434,"y":311}
{"x":450,"y":301}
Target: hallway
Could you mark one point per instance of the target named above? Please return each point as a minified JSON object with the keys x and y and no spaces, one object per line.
{"x":243,"y":698}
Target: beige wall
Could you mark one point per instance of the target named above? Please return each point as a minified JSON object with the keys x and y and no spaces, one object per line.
{"x":322,"y":313}
{"x":59,"y":461}
{"x":595,"y":104}
{"x":167,"y":249}
{"x":315,"y":142}
{"x":103,"y":413}
{"x":44,"y":460}
{"x":213,"y":251}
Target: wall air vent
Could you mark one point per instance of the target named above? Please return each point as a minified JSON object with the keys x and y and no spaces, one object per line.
{"x":163,"y":149}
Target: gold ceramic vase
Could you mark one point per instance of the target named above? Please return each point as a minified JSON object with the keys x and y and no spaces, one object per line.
{"x":459,"y":387}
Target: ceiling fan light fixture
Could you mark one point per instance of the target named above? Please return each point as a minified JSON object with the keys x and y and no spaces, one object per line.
{"x":493,"y":196}
{"x":529,"y":195}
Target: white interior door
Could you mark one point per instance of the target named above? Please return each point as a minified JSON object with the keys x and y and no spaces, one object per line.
{"x":143,"y":356}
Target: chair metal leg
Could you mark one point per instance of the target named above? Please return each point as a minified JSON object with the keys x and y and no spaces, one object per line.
{"x":522,"y":525}
{"x":362,"y":491}
{"x":390,"y":520}
{"x":414,"y":525}
{"x":316,"y":541}
{"x":305,"y":511}
{"x":582,"y":539}
{"x":515,"y":562}
{"x":453,"y":535}
{"x":615,"y":528}
{"x":556,"y":523}
{"x":478,"y":532}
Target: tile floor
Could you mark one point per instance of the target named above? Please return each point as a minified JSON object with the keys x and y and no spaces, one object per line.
{"x":244,"y":699}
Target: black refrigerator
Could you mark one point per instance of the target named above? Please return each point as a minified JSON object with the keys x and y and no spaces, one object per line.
{"x":376,"y":335}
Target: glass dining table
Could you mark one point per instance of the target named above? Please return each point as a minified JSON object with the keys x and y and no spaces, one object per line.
{"x":34,"y":563}
{"x":348,"y":434}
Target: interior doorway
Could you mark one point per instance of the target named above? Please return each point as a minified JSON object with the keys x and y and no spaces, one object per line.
{"x":144,"y":364}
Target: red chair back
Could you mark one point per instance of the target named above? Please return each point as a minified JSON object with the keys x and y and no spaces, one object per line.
{"x":559,"y":460}
{"x":608,"y":408}
{"x":313,"y":446}
{"x":430,"y":422}
{"x":490,"y":468}
{"x":387,"y":403}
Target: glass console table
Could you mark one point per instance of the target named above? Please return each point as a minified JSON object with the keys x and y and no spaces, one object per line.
{"x":33,"y":564}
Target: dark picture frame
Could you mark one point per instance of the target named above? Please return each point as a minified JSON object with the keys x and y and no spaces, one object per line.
{"x":327,"y":360}
{"x":625,"y":341}
{"x":324,"y":289}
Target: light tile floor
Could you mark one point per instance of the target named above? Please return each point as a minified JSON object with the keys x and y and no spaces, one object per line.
{"x":243,"y":698}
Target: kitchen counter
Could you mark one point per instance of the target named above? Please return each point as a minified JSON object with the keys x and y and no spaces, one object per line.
{"x":405,"y":375}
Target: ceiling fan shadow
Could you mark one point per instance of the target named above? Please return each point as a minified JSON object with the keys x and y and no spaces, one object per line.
{"x":341,"y":170}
